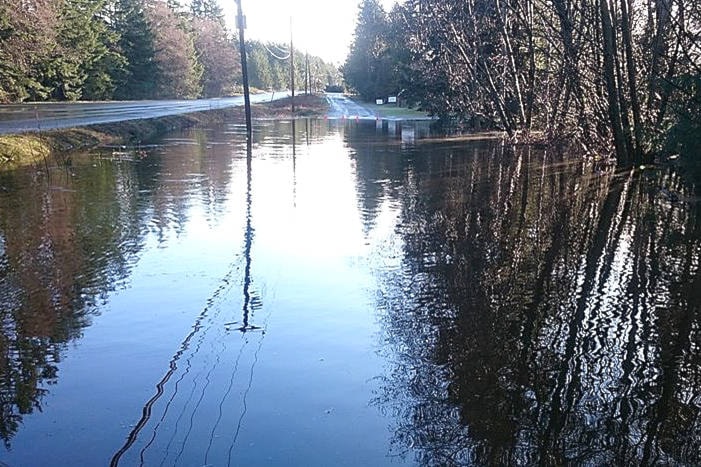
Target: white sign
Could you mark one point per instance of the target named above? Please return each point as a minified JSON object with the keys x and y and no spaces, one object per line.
{"x":392,"y":100}
{"x":379,"y":101}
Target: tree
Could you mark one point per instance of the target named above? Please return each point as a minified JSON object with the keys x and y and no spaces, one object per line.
{"x":220,"y":65}
{"x":137,"y":44}
{"x":367,"y":67}
{"x":208,"y":9}
{"x":259,"y":69}
{"x":27,"y":39}
{"x":86,"y":56}
{"x":601,"y":73}
{"x":178,"y":72}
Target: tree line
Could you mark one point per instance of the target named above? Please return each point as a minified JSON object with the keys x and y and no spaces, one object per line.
{"x":620,"y":74}
{"x":128,"y":49}
{"x":269,"y":68}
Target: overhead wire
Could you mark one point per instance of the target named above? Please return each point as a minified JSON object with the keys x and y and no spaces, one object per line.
{"x":276,"y":56}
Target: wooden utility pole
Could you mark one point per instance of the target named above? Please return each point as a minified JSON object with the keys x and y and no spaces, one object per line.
{"x":292,"y":68}
{"x":240,"y":19}
{"x":306,"y":73}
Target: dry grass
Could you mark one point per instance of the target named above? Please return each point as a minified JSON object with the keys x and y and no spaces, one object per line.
{"x":306,"y":105}
{"x":17,"y":150}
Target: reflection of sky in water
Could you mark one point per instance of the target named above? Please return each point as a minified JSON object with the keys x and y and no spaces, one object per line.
{"x":298,"y":392}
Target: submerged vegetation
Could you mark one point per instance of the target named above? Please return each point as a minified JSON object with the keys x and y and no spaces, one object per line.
{"x":618,"y":76}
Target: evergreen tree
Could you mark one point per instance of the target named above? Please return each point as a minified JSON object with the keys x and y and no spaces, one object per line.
{"x":209,"y":9}
{"x":136,"y":43}
{"x":367,"y":68}
{"x":27,"y":40}
{"x":259,"y":70}
{"x":102,"y":62}
{"x":85,"y":53}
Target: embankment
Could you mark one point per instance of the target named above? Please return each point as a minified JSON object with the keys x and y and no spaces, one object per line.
{"x":33,"y":148}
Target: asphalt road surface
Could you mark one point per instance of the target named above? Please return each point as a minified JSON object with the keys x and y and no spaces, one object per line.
{"x":342,"y":107}
{"x":20,"y":118}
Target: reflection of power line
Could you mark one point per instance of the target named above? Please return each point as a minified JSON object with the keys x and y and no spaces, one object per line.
{"x":245,"y":398}
{"x":180,"y":417}
{"x":188,"y":366}
{"x":221,"y":403}
{"x":197,"y":405}
{"x":173,"y":366}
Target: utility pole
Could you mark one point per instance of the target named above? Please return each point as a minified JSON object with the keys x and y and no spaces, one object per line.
{"x":240,"y":19}
{"x":292,"y":68}
{"x":306,"y":73}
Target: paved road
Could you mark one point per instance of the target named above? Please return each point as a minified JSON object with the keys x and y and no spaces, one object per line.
{"x":342,"y":107}
{"x":22,"y":118}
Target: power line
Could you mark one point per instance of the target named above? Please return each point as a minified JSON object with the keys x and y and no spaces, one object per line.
{"x":276,"y":56}
{"x":280,"y":48}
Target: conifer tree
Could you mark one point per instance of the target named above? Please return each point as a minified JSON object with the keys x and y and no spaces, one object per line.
{"x":367,"y":68}
{"x":136,"y":43}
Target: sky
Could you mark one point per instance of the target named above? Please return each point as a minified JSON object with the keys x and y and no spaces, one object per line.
{"x":321,"y":27}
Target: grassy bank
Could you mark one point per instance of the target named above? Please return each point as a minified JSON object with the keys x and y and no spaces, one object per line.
{"x":33,"y":148}
{"x":306,"y":106}
{"x":393,"y":111}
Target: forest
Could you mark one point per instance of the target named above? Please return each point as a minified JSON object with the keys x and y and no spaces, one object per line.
{"x":63,"y":50}
{"x":616,"y":76}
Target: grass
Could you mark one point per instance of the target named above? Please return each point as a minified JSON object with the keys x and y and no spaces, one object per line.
{"x":392,"y":111}
{"x":306,"y":105}
{"x":17,"y":150}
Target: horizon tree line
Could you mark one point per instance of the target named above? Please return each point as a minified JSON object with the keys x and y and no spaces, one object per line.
{"x":65,"y":50}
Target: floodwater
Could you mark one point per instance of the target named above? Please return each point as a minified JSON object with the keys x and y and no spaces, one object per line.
{"x":347,"y":293}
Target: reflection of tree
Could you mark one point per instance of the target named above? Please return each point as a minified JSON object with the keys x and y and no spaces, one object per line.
{"x":70,"y":238}
{"x":375,"y":160}
{"x":62,"y":255}
{"x":540,"y":314}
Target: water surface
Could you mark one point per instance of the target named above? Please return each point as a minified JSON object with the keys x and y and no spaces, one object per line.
{"x":354,"y":295}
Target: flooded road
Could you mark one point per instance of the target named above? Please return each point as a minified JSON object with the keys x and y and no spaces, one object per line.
{"x":356,"y":295}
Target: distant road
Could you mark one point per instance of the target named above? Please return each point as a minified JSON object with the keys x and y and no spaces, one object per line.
{"x":342,"y":107}
{"x":21,"y":118}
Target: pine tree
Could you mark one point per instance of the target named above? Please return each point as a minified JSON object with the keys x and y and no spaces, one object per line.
{"x":209,"y":9}
{"x":27,"y":40}
{"x":81,"y":65}
{"x":136,"y":43}
{"x":367,"y":69}
{"x":259,"y":69}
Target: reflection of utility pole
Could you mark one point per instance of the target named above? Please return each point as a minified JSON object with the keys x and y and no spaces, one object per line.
{"x":241,"y":20}
{"x":294,"y":163}
{"x":292,"y":68}
{"x":248,"y":243}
